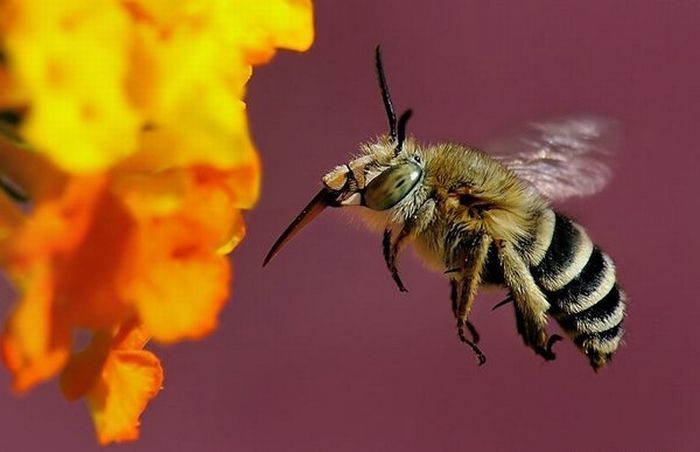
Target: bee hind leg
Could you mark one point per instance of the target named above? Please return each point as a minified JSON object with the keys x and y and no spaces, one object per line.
{"x":530,"y":304}
{"x":525,"y":330}
{"x":548,"y":354}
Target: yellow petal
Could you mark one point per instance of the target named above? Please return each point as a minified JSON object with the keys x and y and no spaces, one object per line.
{"x":262,"y":26}
{"x":217,"y":137}
{"x":70,"y":60}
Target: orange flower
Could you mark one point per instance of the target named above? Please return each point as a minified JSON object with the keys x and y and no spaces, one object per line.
{"x":137,"y":159}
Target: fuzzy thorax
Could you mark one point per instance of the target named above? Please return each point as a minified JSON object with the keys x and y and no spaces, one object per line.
{"x":460,"y":188}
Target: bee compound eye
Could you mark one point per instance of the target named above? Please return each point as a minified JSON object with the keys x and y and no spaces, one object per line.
{"x":391,"y":186}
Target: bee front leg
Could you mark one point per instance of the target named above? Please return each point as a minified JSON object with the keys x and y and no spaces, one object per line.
{"x":465,"y":288}
{"x":531,"y":306}
{"x":417,"y":223}
{"x":391,"y":253}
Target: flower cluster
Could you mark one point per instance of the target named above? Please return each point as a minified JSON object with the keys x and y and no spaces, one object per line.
{"x":136,"y":161}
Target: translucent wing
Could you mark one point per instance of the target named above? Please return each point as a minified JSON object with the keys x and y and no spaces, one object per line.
{"x":561,"y":158}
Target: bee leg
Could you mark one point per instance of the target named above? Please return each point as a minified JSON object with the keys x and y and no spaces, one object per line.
{"x":476,"y":337}
{"x":547,"y":352}
{"x":543,"y":351}
{"x":508,"y":299}
{"x":418,"y":222}
{"x":477,"y":351}
{"x":531,"y":306}
{"x":474,"y":258}
{"x":391,"y":251}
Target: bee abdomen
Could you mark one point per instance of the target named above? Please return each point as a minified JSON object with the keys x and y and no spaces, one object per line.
{"x":579,"y":282}
{"x":569,"y":251}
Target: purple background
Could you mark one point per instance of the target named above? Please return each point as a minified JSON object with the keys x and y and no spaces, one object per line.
{"x":319,"y":351}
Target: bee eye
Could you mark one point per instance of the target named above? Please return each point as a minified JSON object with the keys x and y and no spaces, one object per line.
{"x":391,"y":186}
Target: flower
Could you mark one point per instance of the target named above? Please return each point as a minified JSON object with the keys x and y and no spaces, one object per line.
{"x":136,"y":156}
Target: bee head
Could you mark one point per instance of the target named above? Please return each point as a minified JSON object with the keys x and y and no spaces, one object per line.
{"x":378,"y":180}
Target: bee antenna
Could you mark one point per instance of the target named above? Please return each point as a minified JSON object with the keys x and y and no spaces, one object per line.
{"x":386,"y":97}
{"x":401,"y":130}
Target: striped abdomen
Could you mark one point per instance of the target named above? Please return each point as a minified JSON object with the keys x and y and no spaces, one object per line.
{"x":579,"y":282}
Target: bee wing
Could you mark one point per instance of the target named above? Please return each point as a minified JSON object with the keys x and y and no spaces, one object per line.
{"x":561,"y":158}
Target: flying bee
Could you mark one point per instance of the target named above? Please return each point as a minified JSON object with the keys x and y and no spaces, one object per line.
{"x":487,"y":220}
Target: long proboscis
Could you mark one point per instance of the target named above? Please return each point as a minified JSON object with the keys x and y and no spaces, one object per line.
{"x":318,"y":204}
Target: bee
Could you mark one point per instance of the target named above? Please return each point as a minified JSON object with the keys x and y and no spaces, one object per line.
{"x":487,"y":220}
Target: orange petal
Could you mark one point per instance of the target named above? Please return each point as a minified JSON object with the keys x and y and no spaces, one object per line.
{"x":56,"y":225}
{"x":10,"y":216}
{"x":178,"y":280}
{"x":117,"y":378}
{"x":241,"y":183}
{"x":131,"y":336}
{"x":85,"y":367}
{"x":181,"y":297}
{"x":36,"y":339}
{"x":87,"y":278}
{"x":36,"y":342}
{"x":83,"y":230}
{"x":32,"y":172}
{"x":129,"y":380}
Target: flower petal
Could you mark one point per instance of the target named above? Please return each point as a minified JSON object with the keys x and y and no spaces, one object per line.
{"x":178,"y":280}
{"x":85,"y":367}
{"x":70,"y":59}
{"x":182,"y":295}
{"x":36,"y":341}
{"x":262,"y":26}
{"x":129,"y":380}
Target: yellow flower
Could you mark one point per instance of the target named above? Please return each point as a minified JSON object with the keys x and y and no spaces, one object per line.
{"x":137,"y":158}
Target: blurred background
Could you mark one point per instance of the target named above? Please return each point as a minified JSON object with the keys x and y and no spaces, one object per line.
{"x":319,"y":351}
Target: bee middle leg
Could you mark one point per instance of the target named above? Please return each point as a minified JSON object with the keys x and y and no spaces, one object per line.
{"x":465,"y":288}
{"x":464,"y":304}
{"x":476,"y":337}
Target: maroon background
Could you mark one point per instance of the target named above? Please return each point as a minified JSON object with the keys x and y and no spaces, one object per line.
{"x":319,"y":351}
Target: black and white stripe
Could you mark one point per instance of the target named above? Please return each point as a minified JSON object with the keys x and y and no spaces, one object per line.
{"x":578,"y":280}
